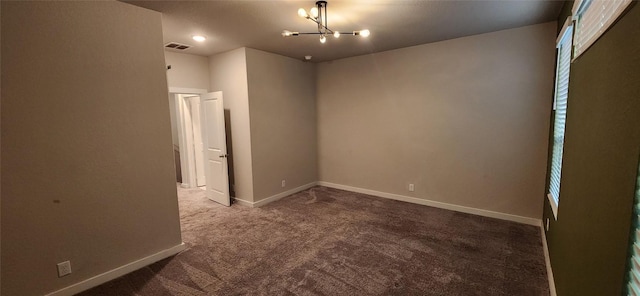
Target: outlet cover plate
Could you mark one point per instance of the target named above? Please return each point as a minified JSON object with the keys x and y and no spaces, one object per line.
{"x":64,"y":268}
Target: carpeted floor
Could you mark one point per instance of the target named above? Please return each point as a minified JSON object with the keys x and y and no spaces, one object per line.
{"x":325,"y":241}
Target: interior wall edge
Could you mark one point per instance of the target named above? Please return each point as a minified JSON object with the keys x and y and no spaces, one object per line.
{"x":228,"y":73}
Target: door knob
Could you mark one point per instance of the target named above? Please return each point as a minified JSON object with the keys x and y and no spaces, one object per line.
{"x":223,"y":155}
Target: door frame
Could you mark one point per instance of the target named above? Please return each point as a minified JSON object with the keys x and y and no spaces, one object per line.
{"x":187,"y":156}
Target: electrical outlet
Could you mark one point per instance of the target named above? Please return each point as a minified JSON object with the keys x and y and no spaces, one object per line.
{"x":64,"y":268}
{"x":411,"y":188}
{"x":284,"y":183}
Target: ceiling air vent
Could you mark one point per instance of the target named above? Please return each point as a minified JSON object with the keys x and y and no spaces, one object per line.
{"x":175,"y":45}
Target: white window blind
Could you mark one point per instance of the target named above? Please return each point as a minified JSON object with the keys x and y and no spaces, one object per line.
{"x":560,"y":105}
{"x":633,"y":272}
{"x":593,"y":18}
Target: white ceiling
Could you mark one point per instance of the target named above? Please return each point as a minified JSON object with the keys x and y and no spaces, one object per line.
{"x":393,"y":23}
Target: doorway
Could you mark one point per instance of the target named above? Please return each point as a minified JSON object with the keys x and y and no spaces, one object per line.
{"x":195,"y":144}
{"x":198,"y":131}
{"x":187,"y":137}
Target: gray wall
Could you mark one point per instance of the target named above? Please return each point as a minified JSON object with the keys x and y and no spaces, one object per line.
{"x":87,"y":165}
{"x":283,"y":122}
{"x":589,"y":243}
{"x":228,"y":73}
{"x":270,"y":113}
{"x":187,"y":70}
{"x":465,"y":120}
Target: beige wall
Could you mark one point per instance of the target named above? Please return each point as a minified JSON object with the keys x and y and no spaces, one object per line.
{"x":228,"y":72}
{"x":283,"y":122}
{"x":187,"y":70}
{"x":465,"y":120}
{"x":87,"y":165}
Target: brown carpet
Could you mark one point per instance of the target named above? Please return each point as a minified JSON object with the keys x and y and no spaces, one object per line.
{"x":325,"y":241}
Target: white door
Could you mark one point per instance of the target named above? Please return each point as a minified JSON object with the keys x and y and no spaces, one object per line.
{"x":198,"y":144}
{"x":215,"y":148}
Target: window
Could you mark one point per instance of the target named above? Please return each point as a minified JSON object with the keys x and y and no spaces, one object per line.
{"x":560,"y":105}
{"x":593,"y":18}
{"x":633,"y":272}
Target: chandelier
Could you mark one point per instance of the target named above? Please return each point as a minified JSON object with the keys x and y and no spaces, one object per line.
{"x":318,"y":15}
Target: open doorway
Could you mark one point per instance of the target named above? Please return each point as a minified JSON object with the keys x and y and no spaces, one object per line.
{"x":193,"y":137}
{"x":198,"y":130}
{"x":186,"y":129}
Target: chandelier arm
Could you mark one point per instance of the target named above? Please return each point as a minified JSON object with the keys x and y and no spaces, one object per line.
{"x":320,"y":33}
{"x":323,"y":25}
{"x":320,"y":25}
{"x":325,"y":17}
{"x":327,"y":30}
{"x":319,"y":20}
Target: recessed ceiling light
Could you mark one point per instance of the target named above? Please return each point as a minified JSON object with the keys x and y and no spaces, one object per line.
{"x":199,"y":38}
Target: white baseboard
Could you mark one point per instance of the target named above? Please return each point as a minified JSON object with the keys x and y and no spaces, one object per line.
{"x":244,"y":202}
{"x":437,"y":204}
{"x":278,"y":196}
{"x":547,"y":259}
{"x":273,"y":198}
{"x":118,"y":272}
